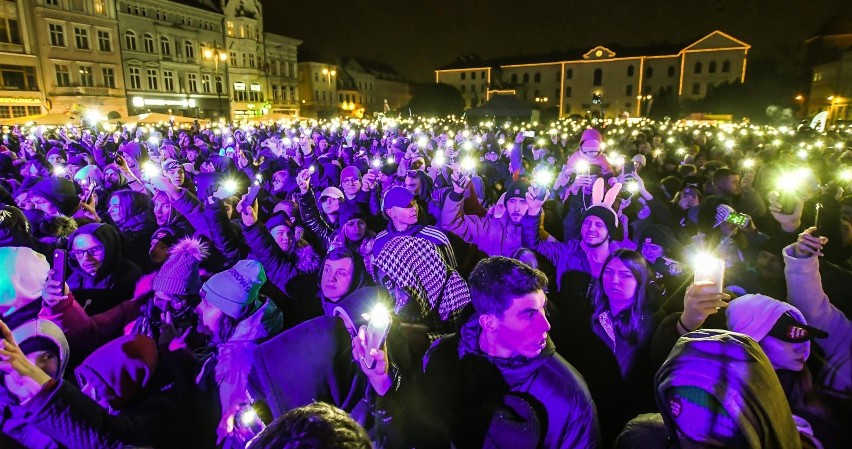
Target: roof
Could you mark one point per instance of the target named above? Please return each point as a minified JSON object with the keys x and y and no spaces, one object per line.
{"x":208,"y":5}
{"x":380,"y":70}
{"x":837,"y":26}
{"x":576,"y":54}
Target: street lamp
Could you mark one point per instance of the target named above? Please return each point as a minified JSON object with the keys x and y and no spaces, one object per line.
{"x":216,"y":54}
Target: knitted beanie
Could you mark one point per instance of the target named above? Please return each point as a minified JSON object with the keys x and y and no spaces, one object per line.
{"x":235,"y":291}
{"x":25,"y":272}
{"x":60,"y":192}
{"x":34,"y":336}
{"x":607,"y":215}
{"x":179,"y":274}
{"x":350,"y":172}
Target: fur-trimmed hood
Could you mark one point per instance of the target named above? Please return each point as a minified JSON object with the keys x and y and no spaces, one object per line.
{"x":308,"y":259}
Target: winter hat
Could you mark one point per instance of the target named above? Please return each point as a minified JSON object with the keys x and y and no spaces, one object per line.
{"x":56,"y":152}
{"x":517,"y":189}
{"x":333,"y":192}
{"x":166,"y":234}
{"x":60,"y":192}
{"x":397,"y":197}
{"x":602,"y":206}
{"x":722,"y":213}
{"x":25,"y":273}
{"x":591,"y":139}
{"x":756,"y":316}
{"x":350,"y":172}
{"x":280,"y":219}
{"x":43,"y":335}
{"x":179,"y":274}
{"x":12,"y":222}
{"x":235,"y":291}
{"x":350,"y":210}
{"x":171,"y":164}
{"x":28,"y":183}
{"x":120,"y":368}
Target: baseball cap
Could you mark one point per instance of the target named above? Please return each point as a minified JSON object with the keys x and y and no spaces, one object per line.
{"x":333,"y":192}
{"x":788,"y":329}
{"x":397,"y":197}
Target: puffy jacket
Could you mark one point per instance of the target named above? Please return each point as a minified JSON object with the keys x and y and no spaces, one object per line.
{"x":804,"y":290}
{"x":285,"y":270}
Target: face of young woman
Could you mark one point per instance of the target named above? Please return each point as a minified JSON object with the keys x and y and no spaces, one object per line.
{"x":619,"y":285}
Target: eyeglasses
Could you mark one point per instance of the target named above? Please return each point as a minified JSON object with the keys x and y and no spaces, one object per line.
{"x":95,"y":251}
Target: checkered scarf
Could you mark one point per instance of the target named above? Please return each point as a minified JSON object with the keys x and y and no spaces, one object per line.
{"x":415,"y":265}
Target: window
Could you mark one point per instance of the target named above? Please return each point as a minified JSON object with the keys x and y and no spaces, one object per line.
{"x":251,"y":60}
{"x":630,"y":70}
{"x":711,"y":68}
{"x":153,"y":79}
{"x":149,"y":43}
{"x":77,"y":5}
{"x":52,"y":2}
{"x":189,"y":50}
{"x":100,"y":7}
{"x":81,"y":38}
{"x":697,"y":68}
{"x":192,"y":82}
{"x":537,"y":77}
{"x":629,"y":91}
{"x":473,"y":75}
{"x":168,"y":80}
{"x":109,"y":77}
{"x":57,"y":34}
{"x":135,"y":78}
{"x":63,"y":77}
{"x":130,"y":40}
{"x":649,"y":72}
{"x":9,"y":31}
{"x":104,"y":41}
{"x":483,"y":74}
{"x":726,"y":66}
{"x":293,"y":96}
{"x":165,"y":46}
{"x":233,"y":59}
{"x":696,"y":89}
{"x":567,"y":91}
{"x":245,"y":60}
{"x":598,"y":78}
{"x":569,"y":73}
{"x":15,"y":77}
{"x":463,"y":75}
{"x":526,"y":77}
{"x":86,"y":79}
{"x":671,"y":71}
{"x":205,"y":84}
{"x":230,"y":27}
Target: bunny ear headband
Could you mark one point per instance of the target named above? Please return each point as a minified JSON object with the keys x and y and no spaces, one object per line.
{"x":602,"y":204}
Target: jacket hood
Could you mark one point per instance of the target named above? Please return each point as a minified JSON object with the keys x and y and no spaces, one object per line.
{"x":515,"y":370}
{"x":41,"y":328}
{"x":307,"y":257}
{"x":120,"y":368}
{"x":109,"y":238}
{"x":730,"y":371}
{"x":265,"y":322}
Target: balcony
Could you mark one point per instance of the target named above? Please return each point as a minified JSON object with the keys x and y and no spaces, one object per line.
{"x":102,"y":91}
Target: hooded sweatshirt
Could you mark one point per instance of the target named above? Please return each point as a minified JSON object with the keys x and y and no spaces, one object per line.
{"x":732,"y":369}
{"x":114,"y":281}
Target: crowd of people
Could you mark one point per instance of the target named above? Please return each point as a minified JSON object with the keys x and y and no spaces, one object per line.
{"x":425,"y":282}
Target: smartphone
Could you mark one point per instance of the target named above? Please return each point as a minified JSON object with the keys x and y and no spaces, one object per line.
{"x":92,"y":186}
{"x":529,"y":133}
{"x":377,"y":332}
{"x":60,"y":265}
{"x":817,"y":219}
{"x":738,"y":219}
{"x":629,"y":167}
{"x":251,"y":196}
{"x":708,"y":268}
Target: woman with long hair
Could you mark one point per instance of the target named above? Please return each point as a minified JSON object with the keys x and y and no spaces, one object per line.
{"x":608,"y":340}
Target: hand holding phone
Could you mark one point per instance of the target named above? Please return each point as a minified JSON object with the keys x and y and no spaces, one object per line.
{"x":709,"y":268}
{"x":376,"y":333}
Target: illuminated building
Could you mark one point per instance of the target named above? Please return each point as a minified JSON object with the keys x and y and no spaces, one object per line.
{"x":831,"y":89}
{"x":627,"y":80}
{"x":20,"y":81}
{"x":77,"y":46}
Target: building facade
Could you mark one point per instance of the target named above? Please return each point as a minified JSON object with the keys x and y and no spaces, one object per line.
{"x":831,"y":89}
{"x":604,"y":80}
{"x":20,"y":84}
{"x":163,"y":47}
{"x":282,"y":73}
{"x":355,"y":88}
{"x":80,"y":64}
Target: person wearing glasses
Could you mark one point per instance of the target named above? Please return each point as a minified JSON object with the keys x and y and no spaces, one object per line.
{"x":99,"y":276}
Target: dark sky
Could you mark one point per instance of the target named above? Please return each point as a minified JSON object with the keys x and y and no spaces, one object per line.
{"x":417,"y":36}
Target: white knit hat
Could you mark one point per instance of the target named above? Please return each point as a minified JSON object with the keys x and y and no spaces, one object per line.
{"x":24,"y":274}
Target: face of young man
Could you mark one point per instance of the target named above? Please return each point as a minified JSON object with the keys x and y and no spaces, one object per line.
{"x":350,"y":185}
{"x":330,"y":205}
{"x":336,"y":278}
{"x":593,"y":231}
{"x":403,"y":216}
{"x":516,"y":208}
{"x":521,"y":330}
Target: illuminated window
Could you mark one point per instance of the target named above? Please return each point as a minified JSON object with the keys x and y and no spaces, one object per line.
{"x":229,"y":26}
{"x":630,"y":70}
{"x":697,"y":69}
{"x":726,"y":66}
{"x":86,"y":79}
{"x":598,"y":78}
{"x":100,"y":7}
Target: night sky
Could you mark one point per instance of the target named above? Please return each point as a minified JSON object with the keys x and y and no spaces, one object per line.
{"x":417,"y":36}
